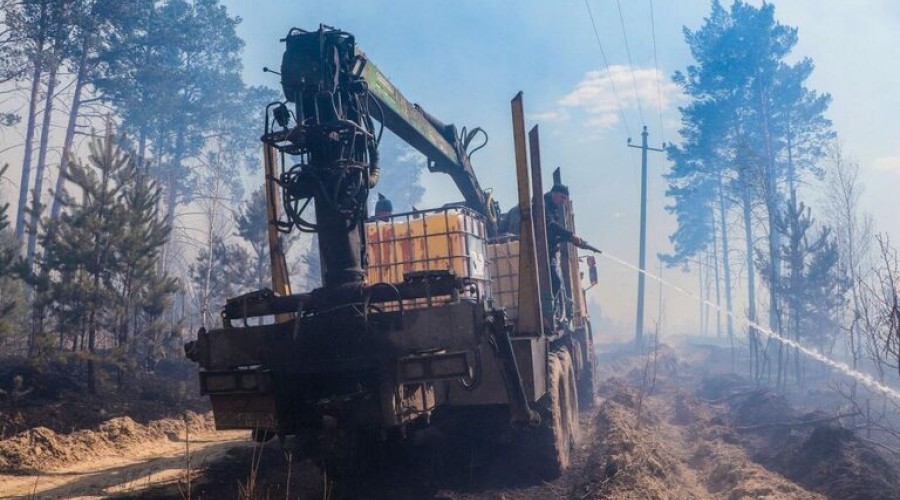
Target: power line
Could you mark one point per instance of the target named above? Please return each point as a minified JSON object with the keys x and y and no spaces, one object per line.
{"x":637,"y":95}
{"x":662,"y":128}
{"x":608,"y":72}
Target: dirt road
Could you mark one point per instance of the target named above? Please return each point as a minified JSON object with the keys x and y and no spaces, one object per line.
{"x":125,"y":472}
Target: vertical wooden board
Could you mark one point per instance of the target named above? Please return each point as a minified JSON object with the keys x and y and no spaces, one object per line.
{"x":540,"y":229}
{"x":281,"y":283}
{"x":530,"y":320}
{"x":578,"y":298}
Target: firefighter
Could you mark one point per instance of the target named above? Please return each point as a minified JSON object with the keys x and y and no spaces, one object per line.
{"x":383,"y":207}
{"x":557,"y":234}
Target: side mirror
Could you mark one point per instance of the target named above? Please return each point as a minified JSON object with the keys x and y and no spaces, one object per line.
{"x":592,"y":270}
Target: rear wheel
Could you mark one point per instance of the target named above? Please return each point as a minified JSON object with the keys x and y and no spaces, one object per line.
{"x":571,"y":409}
{"x":587,"y":378}
{"x":554,"y":438}
{"x":587,"y":383}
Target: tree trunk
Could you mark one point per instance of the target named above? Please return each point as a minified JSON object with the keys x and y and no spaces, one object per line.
{"x":142,"y":147}
{"x":122,"y":323}
{"x":91,"y":371}
{"x":172,"y":195}
{"x":70,"y":134}
{"x":708,"y":291}
{"x":211,"y":238}
{"x":771,"y":197}
{"x":797,"y":264}
{"x":29,"y":132}
{"x":773,"y":271}
{"x":751,"y":285}
{"x":36,"y":205}
{"x":29,"y":151}
{"x":715,"y":257}
{"x":700,"y":293}
{"x":726,"y":259}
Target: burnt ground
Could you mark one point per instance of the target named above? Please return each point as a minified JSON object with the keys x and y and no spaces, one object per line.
{"x":690,"y":431}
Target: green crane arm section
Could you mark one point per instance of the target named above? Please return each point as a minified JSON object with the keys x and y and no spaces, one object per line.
{"x":439,"y":143}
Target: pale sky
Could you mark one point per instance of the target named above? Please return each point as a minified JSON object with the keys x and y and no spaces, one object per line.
{"x":463,"y":61}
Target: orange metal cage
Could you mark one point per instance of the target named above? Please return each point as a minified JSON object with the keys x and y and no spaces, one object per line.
{"x":444,"y":239}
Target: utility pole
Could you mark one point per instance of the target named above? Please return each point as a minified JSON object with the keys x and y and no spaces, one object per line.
{"x":639,"y":321}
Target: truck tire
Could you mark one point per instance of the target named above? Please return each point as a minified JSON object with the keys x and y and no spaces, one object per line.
{"x":571,"y":397}
{"x":587,"y":380}
{"x":554,"y":439}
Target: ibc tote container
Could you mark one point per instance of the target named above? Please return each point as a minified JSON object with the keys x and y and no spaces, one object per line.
{"x":446,"y":239}
{"x":503,"y":267}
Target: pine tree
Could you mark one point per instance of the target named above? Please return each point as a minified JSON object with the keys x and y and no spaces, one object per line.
{"x":752,"y":127}
{"x":252,"y":223}
{"x":61,"y":21}
{"x":218,"y":275}
{"x":101,"y":258}
{"x":83,"y":247}
{"x":12,"y":297}
{"x":811,"y":284}
{"x":144,"y":295}
{"x":100,"y":27}
{"x":12,"y":63}
{"x":174,"y":79}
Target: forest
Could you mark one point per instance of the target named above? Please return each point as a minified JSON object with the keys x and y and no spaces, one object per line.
{"x":132,"y":206}
{"x":140,"y":207}
{"x":769,"y":208}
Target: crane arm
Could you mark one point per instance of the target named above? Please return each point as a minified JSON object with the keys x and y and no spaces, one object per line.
{"x":439,"y":143}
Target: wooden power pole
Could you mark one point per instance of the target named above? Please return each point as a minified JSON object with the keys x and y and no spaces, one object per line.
{"x":642,"y":257}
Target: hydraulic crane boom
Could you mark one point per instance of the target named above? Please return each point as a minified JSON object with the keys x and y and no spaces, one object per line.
{"x":440,"y":143}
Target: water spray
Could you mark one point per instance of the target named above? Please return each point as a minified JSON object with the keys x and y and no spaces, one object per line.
{"x":862,"y":378}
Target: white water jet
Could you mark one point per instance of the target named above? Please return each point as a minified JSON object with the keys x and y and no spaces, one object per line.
{"x":862,"y":378}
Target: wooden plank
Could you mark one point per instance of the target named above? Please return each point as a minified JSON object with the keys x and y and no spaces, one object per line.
{"x":540,"y":230}
{"x":281,"y":281}
{"x":530,"y":315}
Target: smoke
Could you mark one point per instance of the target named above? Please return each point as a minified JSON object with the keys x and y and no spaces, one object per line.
{"x":862,"y":378}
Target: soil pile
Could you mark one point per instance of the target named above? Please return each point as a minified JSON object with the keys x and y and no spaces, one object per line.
{"x":810,"y":449}
{"x":41,"y":448}
{"x":836,"y":461}
{"x":49,"y":397}
{"x":682,"y":449}
{"x":629,"y":462}
{"x":760,"y":408}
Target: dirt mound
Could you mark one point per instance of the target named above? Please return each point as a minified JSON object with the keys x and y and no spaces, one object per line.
{"x":687,"y":410}
{"x":49,"y":396}
{"x":736,"y":478}
{"x":760,"y":408}
{"x":836,"y":462}
{"x":628,"y":462}
{"x":618,"y":390}
{"x":41,"y":448}
{"x":808,"y":448}
{"x":684,"y":447}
